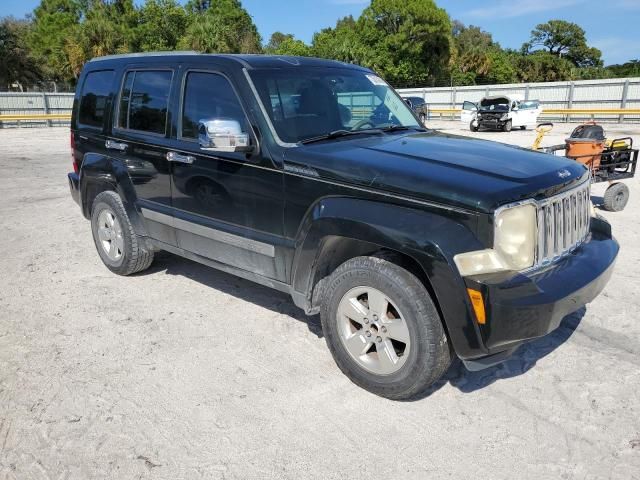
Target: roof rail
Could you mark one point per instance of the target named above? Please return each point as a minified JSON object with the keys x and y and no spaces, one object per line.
{"x":144,"y":54}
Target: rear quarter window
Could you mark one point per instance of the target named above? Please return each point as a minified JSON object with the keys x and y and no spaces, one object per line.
{"x":94,"y":98}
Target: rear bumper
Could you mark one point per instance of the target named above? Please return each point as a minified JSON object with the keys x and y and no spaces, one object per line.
{"x":522,"y":307}
{"x":74,"y":186}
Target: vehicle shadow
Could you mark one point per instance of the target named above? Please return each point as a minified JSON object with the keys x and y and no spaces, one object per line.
{"x":522,"y":360}
{"x":266,"y":297}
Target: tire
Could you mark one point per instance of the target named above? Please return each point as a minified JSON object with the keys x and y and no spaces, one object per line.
{"x":423,"y":118}
{"x":523,"y":127}
{"x":420,"y":360}
{"x":116,"y":241}
{"x":616,"y":197}
{"x":473,"y":126}
{"x":508,"y":125}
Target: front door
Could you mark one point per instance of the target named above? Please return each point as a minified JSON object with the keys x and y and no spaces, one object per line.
{"x":228,"y":207}
{"x":468,"y":113}
{"x":140,"y":140}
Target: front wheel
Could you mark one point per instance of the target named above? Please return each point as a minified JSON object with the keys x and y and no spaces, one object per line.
{"x":507,"y":126}
{"x":383,"y":329}
{"x":423,"y":118}
{"x":473,"y":126}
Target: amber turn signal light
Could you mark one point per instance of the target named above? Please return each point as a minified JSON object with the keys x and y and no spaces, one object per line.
{"x":478,"y":305}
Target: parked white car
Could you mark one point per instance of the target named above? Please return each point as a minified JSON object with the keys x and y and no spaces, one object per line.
{"x":501,"y":113}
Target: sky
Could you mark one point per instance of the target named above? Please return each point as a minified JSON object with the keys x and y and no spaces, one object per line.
{"x":611,"y":26}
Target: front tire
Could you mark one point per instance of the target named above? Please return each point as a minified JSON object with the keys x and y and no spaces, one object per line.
{"x":116,"y":241}
{"x":473,"y":126}
{"x":383,"y":329}
{"x":507,"y":126}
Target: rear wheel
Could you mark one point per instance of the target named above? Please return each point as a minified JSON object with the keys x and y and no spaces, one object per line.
{"x":616,"y":197}
{"x":507,"y":126}
{"x":523,"y":127}
{"x":383,"y":329}
{"x":117,"y":244}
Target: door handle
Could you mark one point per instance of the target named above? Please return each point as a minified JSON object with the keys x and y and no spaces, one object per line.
{"x":113,"y":145}
{"x":179,"y":158}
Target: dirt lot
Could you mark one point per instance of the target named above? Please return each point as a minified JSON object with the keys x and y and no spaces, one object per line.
{"x":184,"y":372}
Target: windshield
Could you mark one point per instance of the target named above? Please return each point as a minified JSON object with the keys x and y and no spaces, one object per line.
{"x":304,"y":103}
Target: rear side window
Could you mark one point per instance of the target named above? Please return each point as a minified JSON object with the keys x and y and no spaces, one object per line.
{"x":94,"y":96}
{"x":144,"y":101}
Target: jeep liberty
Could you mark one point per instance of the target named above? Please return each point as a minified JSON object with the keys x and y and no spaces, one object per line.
{"x":313,"y":177}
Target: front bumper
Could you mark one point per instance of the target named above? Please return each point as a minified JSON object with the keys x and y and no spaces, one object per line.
{"x":491,"y":123}
{"x":522,"y":307}
{"x":74,"y":186}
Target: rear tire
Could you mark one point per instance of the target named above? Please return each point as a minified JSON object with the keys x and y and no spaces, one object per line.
{"x":116,"y":241}
{"x":523,"y":127}
{"x":616,"y":197}
{"x":507,"y":126}
{"x":383,"y":329}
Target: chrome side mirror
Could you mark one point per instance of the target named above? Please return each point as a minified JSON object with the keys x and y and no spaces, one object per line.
{"x":222,"y":135}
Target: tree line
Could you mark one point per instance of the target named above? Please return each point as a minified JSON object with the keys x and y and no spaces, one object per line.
{"x":408,"y":42}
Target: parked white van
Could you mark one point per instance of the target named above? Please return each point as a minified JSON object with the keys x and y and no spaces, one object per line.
{"x":501,"y":113}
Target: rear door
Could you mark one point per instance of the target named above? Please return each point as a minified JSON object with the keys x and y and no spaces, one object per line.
{"x":91,"y":116}
{"x":140,"y":140}
{"x":469,"y":111}
{"x":228,"y":206}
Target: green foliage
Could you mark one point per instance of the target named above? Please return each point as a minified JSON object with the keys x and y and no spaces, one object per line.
{"x":16,"y":63}
{"x":161,"y":24}
{"x":220,"y":26}
{"x":340,"y":43}
{"x":564,"y":39}
{"x":406,"y":41}
{"x":628,"y":69}
{"x":54,"y":23}
{"x":542,"y":67}
{"x":285,"y":44}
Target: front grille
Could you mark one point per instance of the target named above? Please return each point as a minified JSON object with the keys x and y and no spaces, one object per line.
{"x":563,"y":223}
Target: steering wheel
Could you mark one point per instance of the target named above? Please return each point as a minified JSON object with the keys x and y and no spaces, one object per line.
{"x":362,"y":123}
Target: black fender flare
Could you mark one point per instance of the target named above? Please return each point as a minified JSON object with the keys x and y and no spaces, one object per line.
{"x":99,"y":173}
{"x":429,"y":236}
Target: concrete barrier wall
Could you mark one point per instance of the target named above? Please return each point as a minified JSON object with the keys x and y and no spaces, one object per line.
{"x":615,"y":93}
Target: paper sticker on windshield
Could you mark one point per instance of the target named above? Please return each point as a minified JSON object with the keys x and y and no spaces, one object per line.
{"x":375,"y":80}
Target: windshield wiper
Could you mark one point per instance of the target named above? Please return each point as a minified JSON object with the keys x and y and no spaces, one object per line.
{"x":341,"y":133}
{"x":397,"y":128}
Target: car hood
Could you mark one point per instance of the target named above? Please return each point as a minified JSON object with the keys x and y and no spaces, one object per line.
{"x":447,"y":169}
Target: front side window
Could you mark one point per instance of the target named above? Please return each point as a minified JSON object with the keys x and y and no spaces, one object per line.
{"x":208,"y":96}
{"x":144,"y":101}
{"x":94,"y":96}
{"x":306,"y":102}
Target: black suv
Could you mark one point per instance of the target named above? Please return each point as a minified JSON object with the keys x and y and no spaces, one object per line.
{"x":419,"y":106}
{"x":315,"y":178}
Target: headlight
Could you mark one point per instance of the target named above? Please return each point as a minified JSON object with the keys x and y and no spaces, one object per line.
{"x":515,"y":236}
{"x":504,"y":117}
{"x":514,"y":244}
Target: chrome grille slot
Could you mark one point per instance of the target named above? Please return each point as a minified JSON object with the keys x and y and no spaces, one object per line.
{"x":563,"y":223}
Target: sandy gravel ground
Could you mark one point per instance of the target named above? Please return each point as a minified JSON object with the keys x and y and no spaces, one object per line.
{"x":184,"y":372}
